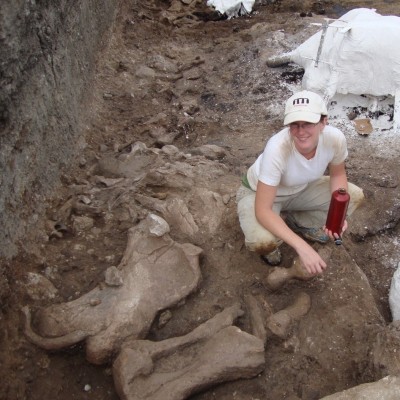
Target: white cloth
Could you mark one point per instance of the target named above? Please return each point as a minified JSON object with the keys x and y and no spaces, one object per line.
{"x":282,"y":165}
{"x":231,"y":7}
{"x":394,"y":295}
{"x":358,"y":54}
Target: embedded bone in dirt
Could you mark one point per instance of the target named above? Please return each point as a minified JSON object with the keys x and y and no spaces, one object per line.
{"x":281,"y":275}
{"x":174,"y":211}
{"x":387,"y":388}
{"x":257,"y":316}
{"x":281,"y":322}
{"x":156,"y":273}
{"x":176,"y":368}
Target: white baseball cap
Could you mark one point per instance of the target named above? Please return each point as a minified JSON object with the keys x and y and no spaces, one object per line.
{"x":304,"y":106}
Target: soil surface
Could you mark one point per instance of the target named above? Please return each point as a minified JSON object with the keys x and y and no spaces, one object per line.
{"x":179,"y":74}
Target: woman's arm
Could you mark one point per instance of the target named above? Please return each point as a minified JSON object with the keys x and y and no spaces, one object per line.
{"x":265,"y":196}
{"x":338,"y":176}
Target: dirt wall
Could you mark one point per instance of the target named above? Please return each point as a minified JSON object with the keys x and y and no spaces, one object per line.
{"x":48,"y":51}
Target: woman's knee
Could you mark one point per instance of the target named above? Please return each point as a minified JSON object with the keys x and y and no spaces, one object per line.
{"x":356,"y":196}
{"x":263,"y":247}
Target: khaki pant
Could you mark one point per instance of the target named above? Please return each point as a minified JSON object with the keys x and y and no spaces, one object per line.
{"x":309,"y":208}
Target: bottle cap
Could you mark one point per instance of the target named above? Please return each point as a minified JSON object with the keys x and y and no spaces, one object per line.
{"x":338,"y":241}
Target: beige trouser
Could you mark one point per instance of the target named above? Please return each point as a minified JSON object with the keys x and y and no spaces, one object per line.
{"x":309,"y":208}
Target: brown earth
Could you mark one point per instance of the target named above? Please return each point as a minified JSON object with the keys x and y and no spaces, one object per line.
{"x":179,"y":74}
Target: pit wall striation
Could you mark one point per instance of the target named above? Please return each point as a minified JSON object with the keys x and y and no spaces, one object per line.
{"x":48,"y":53}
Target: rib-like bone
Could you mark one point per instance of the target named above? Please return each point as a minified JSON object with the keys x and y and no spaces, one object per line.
{"x":50,"y":343}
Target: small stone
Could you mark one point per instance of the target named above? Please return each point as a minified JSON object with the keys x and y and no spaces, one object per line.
{"x":82,"y":223}
{"x":38,"y":287}
{"x":226,"y":198}
{"x":113,"y":277}
{"x":157,"y":225}
{"x":164,"y":318}
{"x":87,"y":388}
{"x":95,"y":302}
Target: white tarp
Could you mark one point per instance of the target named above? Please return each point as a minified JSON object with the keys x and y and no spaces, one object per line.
{"x":232,"y":8}
{"x":360,"y":54}
{"x":394,"y":295}
{"x":357,"y":54}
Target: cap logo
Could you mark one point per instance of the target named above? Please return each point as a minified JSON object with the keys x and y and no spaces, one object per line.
{"x":301,"y":100}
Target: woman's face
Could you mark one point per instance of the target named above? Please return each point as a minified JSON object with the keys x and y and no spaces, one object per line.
{"x":305,"y":136}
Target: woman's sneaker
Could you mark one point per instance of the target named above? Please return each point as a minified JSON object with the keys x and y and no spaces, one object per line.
{"x":273,"y":258}
{"x":312,"y":234}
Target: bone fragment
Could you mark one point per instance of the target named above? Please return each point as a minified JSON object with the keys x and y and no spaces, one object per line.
{"x":278,"y":61}
{"x":257,"y":316}
{"x":281,"y":322}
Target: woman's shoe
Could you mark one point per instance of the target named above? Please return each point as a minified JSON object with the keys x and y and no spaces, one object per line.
{"x":312,"y":234}
{"x":273,"y":258}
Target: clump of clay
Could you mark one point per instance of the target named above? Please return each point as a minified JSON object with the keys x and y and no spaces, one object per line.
{"x":281,"y":322}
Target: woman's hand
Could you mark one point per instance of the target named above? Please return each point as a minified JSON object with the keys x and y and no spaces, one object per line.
{"x":335,"y":236}
{"x":311,"y":260}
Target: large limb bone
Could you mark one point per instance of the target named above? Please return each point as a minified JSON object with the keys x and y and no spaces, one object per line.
{"x":156,"y":273}
{"x":281,"y":322}
{"x":176,"y":368}
{"x":280,"y":275}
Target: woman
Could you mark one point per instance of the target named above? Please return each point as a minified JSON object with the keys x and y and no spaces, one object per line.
{"x":289,"y":177}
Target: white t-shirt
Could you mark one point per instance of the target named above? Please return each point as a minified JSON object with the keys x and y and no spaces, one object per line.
{"x":282,"y":165}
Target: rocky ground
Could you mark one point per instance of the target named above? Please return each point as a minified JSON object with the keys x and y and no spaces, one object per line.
{"x":177,"y":74}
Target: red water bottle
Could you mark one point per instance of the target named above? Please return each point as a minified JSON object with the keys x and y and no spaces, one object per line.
{"x":337,"y":212}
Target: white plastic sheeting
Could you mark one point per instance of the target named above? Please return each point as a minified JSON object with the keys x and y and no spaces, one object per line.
{"x":394,"y":295}
{"x":232,"y":8}
{"x":357,"y":54}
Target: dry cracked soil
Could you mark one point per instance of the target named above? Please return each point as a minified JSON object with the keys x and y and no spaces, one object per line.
{"x":177,"y":73}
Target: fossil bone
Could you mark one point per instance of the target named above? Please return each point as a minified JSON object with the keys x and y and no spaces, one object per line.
{"x":176,"y":368}
{"x":156,"y":273}
{"x":281,"y":322}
